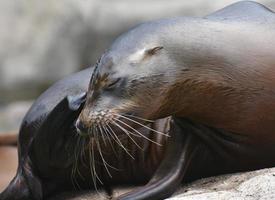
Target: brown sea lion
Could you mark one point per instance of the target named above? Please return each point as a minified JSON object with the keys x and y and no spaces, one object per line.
{"x":214,"y":75}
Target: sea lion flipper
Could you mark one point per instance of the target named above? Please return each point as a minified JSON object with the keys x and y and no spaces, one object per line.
{"x":244,"y":11}
{"x":24,"y":186}
{"x":63,"y":113}
{"x":179,"y":153}
{"x":53,"y":133}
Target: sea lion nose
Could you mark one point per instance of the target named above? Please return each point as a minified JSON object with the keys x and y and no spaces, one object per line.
{"x":80,"y":127}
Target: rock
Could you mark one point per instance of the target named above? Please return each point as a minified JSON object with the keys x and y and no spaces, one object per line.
{"x":93,"y":195}
{"x":252,"y":185}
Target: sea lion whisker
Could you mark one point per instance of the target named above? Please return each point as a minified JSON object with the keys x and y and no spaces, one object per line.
{"x":92,"y":165}
{"x":95,"y":177}
{"x":139,"y":132}
{"x":76,"y":157}
{"x":127,"y":133}
{"x":79,"y":154}
{"x":102,"y":134}
{"x":82,"y":151}
{"x":161,"y":133}
{"x":105,"y":163}
{"x":93,"y":156}
{"x":119,"y":142}
{"x":76,"y":154}
{"x":113,"y":135}
{"x":108,"y":137}
{"x":74,"y":167}
{"x":143,"y":119}
{"x":93,"y":140}
{"x":100,"y":151}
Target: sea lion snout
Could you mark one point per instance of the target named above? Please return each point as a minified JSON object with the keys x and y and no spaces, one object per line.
{"x":94,"y":121}
{"x":80,"y":127}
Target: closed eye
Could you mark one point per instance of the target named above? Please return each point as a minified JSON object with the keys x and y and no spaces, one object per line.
{"x":153,"y":51}
{"x":113,"y":84}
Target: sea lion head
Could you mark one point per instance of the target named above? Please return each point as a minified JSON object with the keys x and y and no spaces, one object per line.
{"x":128,"y":81}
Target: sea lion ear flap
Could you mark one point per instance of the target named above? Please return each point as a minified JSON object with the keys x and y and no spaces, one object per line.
{"x":75,"y":102}
{"x":55,"y":130}
{"x":62,"y":113}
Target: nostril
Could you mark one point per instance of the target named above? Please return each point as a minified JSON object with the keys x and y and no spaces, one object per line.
{"x":80,"y":127}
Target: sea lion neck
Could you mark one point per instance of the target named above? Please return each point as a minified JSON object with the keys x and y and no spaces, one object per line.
{"x":221,"y":99}
{"x":216,"y":85}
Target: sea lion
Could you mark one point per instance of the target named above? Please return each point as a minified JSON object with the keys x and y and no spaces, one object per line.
{"x":53,"y":158}
{"x":215,"y":77}
{"x":27,"y":185}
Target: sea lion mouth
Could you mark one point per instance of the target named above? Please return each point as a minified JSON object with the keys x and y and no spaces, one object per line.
{"x":94,"y":122}
{"x":107,"y":124}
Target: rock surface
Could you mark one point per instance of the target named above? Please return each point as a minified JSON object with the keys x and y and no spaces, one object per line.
{"x":252,"y":185}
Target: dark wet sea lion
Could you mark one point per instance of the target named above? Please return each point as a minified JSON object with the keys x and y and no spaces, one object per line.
{"x":49,"y":148}
{"x":26,"y":184}
{"x":214,"y":75}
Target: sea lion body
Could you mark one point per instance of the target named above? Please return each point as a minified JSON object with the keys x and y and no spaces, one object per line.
{"x":213,"y":75}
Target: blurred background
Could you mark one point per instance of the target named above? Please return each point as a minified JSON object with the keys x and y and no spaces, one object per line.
{"x":44,"y":41}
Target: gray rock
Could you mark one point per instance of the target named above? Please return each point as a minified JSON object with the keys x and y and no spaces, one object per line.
{"x":252,"y":185}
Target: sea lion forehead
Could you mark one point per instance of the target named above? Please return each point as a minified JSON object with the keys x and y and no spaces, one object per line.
{"x":137,"y":39}
{"x":147,"y":35}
